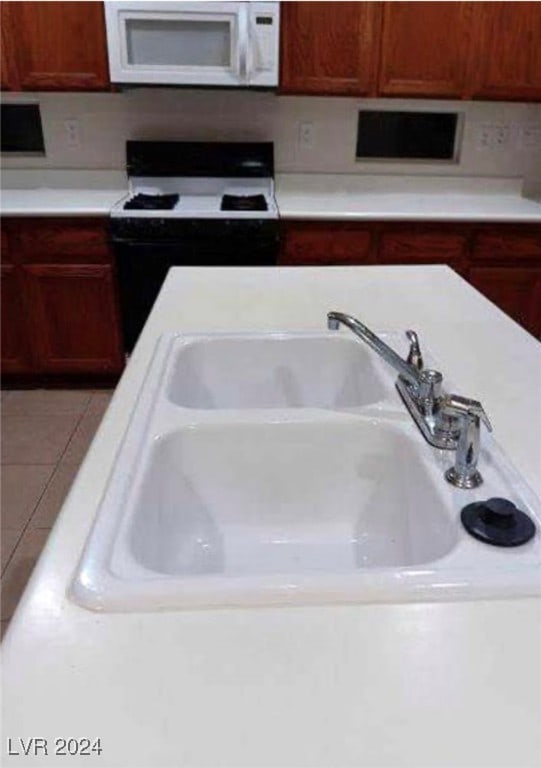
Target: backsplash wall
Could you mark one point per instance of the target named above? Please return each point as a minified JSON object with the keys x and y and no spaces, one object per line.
{"x":107,"y":120}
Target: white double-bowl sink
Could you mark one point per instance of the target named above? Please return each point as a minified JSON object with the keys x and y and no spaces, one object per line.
{"x":283,"y":468}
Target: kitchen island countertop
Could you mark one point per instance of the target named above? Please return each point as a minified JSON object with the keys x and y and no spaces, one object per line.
{"x":440,"y":684}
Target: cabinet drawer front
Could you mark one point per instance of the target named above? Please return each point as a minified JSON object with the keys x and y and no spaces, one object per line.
{"x":326,"y":244}
{"x":70,"y":240}
{"x":422,"y":247}
{"x":513,"y":245}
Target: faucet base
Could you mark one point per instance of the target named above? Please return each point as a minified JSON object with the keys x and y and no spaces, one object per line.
{"x":466,"y":482}
{"x":439,"y":439}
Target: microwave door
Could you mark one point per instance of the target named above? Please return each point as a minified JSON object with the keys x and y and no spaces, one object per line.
{"x":177,"y":43}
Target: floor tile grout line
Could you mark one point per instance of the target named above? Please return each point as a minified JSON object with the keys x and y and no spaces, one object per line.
{"x":83,"y":414}
{"x":50,"y":480}
{"x":47,"y":485}
{"x":25,"y":527}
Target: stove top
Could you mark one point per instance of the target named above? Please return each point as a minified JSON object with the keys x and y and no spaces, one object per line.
{"x":146,"y":202}
{"x":244,"y":203}
{"x":180,"y":198}
{"x":199,"y":180}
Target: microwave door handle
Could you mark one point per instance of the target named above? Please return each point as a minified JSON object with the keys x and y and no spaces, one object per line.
{"x":243,"y":42}
{"x":251,"y":39}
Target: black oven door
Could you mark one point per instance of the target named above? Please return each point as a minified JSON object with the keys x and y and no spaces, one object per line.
{"x":143,"y":265}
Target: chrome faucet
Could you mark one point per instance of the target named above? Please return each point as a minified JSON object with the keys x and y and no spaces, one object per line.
{"x":446,"y":421}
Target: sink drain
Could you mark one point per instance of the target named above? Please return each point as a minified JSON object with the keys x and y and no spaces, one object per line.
{"x":498,"y":522}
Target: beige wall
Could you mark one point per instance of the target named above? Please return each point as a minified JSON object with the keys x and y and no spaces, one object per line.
{"x":107,"y":120}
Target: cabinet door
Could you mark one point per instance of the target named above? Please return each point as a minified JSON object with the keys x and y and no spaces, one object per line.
{"x":16,"y":356}
{"x":325,"y":243}
{"x":515,"y":290}
{"x":58,"y":45}
{"x":74,"y":318}
{"x":424,"y":49}
{"x":328,"y":48}
{"x":507,"y":64}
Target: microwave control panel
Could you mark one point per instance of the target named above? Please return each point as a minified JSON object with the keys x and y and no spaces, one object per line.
{"x":265,"y":39}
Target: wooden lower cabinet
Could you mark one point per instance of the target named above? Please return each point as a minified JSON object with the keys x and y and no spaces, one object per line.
{"x":16,"y":356}
{"x":423,"y":244}
{"x":74,"y":321}
{"x":515,"y":290}
{"x":502,"y":261}
{"x":59,"y":301}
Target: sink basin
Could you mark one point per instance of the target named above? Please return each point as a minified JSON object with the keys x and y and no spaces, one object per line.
{"x":275,"y":371}
{"x":261,"y":498}
{"x":286,"y":498}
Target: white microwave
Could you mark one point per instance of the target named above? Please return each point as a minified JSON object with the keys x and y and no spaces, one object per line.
{"x":198,"y":43}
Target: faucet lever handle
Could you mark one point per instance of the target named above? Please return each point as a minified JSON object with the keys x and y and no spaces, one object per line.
{"x":415,"y":357}
{"x":464,"y":406}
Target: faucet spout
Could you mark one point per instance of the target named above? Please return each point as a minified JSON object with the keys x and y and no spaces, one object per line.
{"x":446,"y":421}
{"x":404,"y":369}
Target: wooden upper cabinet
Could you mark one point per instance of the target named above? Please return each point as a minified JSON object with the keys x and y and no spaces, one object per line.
{"x":57,"y":45}
{"x":506,"y":60}
{"x":424,"y":49}
{"x":329,"y":48}
{"x":9,"y":79}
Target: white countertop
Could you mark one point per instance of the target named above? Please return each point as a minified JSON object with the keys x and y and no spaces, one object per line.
{"x":443,"y":684}
{"x":299,"y":196}
{"x":58,"y":202}
{"x":403,"y":198}
{"x":60,"y":193}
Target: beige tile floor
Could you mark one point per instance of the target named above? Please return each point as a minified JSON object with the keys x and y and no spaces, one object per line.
{"x":45,"y":435}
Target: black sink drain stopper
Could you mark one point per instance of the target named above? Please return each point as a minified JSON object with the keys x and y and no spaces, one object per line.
{"x":497,"y":522}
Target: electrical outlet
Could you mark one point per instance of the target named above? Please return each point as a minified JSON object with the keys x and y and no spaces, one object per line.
{"x":493,"y":136}
{"x":307,"y":135}
{"x":484,"y":137}
{"x":73,"y":132}
{"x":530,"y":137}
{"x":501,"y":135}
